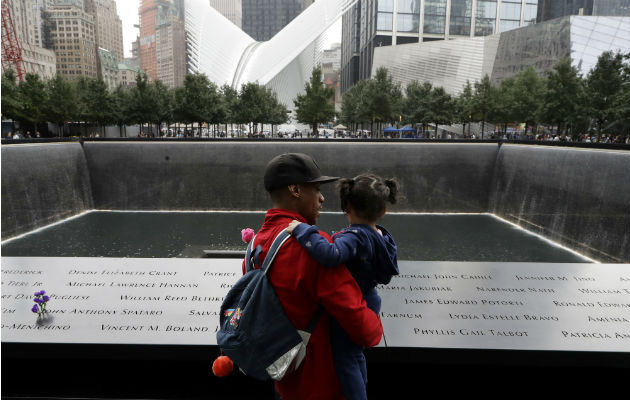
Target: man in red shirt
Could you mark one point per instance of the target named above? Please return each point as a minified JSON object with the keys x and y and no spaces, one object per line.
{"x":302,"y":284}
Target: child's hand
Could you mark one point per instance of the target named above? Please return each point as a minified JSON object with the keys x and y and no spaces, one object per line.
{"x":292,"y":225}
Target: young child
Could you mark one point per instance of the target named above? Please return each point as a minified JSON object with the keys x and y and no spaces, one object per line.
{"x":368,"y":251}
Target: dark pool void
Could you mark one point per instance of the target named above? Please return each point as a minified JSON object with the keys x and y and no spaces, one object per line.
{"x":429,"y":237}
{"x":579,"y":197}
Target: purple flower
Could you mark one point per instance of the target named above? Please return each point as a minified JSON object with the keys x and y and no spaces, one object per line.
{"x":43,"y":292}
{"x":38,"y":300}
{"x":35,"y":308}
{"x":46,"y":298}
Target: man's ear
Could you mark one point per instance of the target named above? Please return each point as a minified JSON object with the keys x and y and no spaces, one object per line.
{"x":294,"y":190}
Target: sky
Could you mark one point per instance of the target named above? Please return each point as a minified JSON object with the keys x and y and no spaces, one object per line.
{"x":128,"y":13}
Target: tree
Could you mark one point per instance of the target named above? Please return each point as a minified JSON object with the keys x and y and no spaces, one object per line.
{"x":11,"y":102}
{"x":62,"y":105}
{"x":505,"y":97}
{"x":197,"y":100}
{"x":99,"y":104}
{"x":442,"y":107}
{"x":34,"y":100}
{"x":351,"y":112}
{"x":275,"y":112}
{"x":604,"y":84}
{"x":230,"y":99}
{"x":142,"y":101}
{"x":464,"y":107}
{"x":483,"y":104}
{"x":561,"y":103}
{"x":529,"y":90}
{"x":122,"y":98}
{"x":623,"y":123}
{"x":314,"y":106}
{"x":252,"y":105}
{"x":383,"y":100}
{"x":417,"y":104}
{"x":164,"y":98}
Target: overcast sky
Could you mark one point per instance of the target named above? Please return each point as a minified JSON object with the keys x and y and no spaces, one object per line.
{"x":128,"y":13}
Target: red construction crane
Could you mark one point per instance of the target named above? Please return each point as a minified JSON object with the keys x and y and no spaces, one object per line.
{"x":11,"y":50}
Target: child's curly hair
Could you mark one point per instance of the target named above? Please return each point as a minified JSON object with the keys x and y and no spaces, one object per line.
{"x":367,"y":194}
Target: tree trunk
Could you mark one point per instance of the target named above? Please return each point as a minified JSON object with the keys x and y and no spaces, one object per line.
{"x":483,"y":126}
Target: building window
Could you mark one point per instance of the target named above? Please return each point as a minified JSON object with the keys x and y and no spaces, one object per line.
{"x":434,"y":16}
{"x":531,"y":9}
{"x":486,"y":18}
{"x":461,"y":17}
{"x":510,"y":15}
{"x":408,"y":19}
{"x":385,"y":17}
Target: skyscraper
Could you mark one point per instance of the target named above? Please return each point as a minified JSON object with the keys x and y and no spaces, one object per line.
{"x":37,"y":60}
{"x":71,"y":33}
{"x":108,"y":26}
{"x":262,"y":19}
{"x":170,"y":46}
{"x":372,"y":23}
{"x":162,"y":40}
{"x":148,"y":13}
{"x":231,"y":9}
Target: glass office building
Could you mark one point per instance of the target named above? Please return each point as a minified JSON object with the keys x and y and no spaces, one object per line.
{"x":550,"y":9}
{"x":262,"y":19}
{"x":450,"y":63}
{"x":376,"y":23}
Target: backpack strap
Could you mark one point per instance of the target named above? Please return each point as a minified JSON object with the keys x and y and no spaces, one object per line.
{"x":271,"y":255}
{"x":249,"y":265}
{"x":282,"y":237}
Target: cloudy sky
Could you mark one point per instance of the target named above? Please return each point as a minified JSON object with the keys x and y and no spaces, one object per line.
{"x":128,"y":13}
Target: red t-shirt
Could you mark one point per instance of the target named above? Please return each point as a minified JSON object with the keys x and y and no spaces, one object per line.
{"x":302,"y":284}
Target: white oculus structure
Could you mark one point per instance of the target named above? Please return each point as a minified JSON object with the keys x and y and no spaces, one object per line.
{"x":227,"y":55}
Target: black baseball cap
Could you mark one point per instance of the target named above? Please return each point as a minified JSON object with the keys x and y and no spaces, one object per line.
{"x":291,"y":168}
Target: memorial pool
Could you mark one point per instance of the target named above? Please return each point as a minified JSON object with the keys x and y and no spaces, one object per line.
{"x":427,"y":237}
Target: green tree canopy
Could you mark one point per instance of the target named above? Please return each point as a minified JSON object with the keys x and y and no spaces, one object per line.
{"x":63,"y":104}
{"x":484,"y":102}
{"x":314,"y":106}
{"x":529,"y":90}
{"x":11,"y":101}
{"x":561,"y":102}
{"x":604,"y":86}
{"x":34,"y":99}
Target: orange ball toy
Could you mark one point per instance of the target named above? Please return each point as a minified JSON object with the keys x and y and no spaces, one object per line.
{"x":222,"y":366}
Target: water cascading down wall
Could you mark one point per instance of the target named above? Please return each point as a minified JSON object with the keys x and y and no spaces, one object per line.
{"x":574,"y":196}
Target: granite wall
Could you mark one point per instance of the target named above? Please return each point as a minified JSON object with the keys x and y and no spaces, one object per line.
{"x":41,"y":184}
{"x":575,"y":196}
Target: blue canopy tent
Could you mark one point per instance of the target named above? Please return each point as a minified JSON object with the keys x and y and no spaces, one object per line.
{"x":390,"y":129}
{"x":408,"y":131}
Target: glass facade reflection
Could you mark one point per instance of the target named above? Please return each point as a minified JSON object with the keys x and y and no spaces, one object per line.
{"x":510,"y":15}
{"x":408,"y":18}
{"x":262,"y":19}
{"x":461,"y":17}
{"x":434,"y":16}
{"x":385,"y":16}
{"x":486,"y":17}
{"x":413,"y":21}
